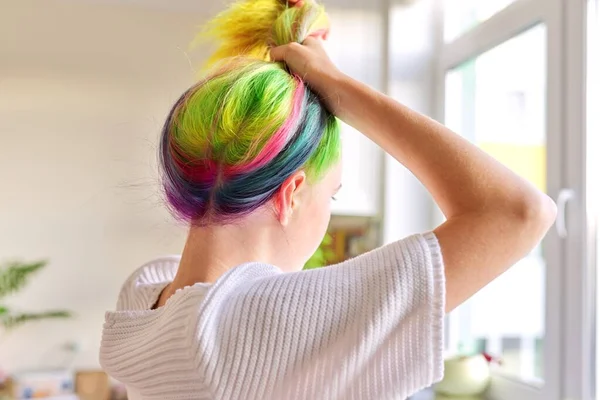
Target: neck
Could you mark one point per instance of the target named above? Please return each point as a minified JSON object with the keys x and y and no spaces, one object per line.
{"x":210,"y":251}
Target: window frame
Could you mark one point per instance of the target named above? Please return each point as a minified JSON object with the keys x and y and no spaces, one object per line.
{"x":570,"y":336}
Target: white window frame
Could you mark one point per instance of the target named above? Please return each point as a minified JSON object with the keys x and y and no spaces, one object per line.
{"x":569,"y":345}
{"x":593,"y":185}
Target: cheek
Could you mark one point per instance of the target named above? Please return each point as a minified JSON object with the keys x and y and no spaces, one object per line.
{"x":320,"y":215}
{"x":311,"y":224}
{"x":325,"y":214}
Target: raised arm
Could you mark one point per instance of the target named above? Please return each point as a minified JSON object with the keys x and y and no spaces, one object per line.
{"x":494,"y":217}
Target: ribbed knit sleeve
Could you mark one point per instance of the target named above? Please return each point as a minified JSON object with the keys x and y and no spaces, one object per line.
{"x":141,"y":289}
{"x":369,"y":328}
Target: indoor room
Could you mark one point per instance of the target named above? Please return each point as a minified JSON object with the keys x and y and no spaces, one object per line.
{"x":89,"y":90}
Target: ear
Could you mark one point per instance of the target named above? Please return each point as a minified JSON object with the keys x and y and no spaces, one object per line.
{"x":286,"y":199}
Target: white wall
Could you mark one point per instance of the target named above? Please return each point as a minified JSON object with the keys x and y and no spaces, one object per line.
{"x":84,"y":89}
{"x":353,"y":45}
{"x":408,"y":206}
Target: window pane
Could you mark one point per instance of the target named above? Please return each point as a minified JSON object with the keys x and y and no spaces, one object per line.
{"x":462,"y":15}
{"x":498,"y":101}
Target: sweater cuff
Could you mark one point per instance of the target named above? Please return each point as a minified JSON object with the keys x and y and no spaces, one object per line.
{"x":438,"y":311}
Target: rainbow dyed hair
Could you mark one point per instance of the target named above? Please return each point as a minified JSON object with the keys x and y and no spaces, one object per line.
{"x":231,"y":140}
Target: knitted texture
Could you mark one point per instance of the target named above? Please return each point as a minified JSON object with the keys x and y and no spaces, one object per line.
{"x":369,"y":328}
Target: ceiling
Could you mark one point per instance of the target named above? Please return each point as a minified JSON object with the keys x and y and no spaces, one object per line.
{"x":214,"y":6}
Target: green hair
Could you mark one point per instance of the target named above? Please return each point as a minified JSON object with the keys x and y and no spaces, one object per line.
{"x":231,"y":140}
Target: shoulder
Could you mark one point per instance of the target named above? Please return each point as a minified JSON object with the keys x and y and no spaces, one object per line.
{"x":416,"y":251}
{"x":142,"y":285}
{"x":414,"y":263}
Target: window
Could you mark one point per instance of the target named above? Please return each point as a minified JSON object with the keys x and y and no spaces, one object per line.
{"x":498,"y":101}
{"x":462,"y":15}
{"x":513,"y":81}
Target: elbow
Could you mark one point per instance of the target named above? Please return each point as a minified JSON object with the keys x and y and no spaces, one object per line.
{"x":535,"y":214}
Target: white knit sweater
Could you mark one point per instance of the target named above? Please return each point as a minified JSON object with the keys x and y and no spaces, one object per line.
{"x":369,"y":328}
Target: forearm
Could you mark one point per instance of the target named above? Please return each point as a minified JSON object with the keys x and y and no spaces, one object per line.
{"x":460,"y":176}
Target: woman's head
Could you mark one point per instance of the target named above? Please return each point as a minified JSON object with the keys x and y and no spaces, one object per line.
{"x":251,"y":137}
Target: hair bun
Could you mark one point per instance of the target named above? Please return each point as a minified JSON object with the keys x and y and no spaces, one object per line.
{"x":231,"y":140}
{"x":249,"y":28}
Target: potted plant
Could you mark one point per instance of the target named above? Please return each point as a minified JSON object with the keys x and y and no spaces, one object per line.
{"x":13,"y":277}
{"x":466,"y":375}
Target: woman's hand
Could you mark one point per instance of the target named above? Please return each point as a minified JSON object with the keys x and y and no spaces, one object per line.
{"x":310,"y":61}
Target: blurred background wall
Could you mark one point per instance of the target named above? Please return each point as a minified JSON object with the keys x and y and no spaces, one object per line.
{"x":84,"y":89}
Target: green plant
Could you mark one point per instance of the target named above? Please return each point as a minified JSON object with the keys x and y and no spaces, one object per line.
{"x":13,"y":277}
{"x":323,"y":256}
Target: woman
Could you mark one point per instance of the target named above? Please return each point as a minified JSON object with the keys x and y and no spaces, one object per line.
{"x":250,"y":158}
